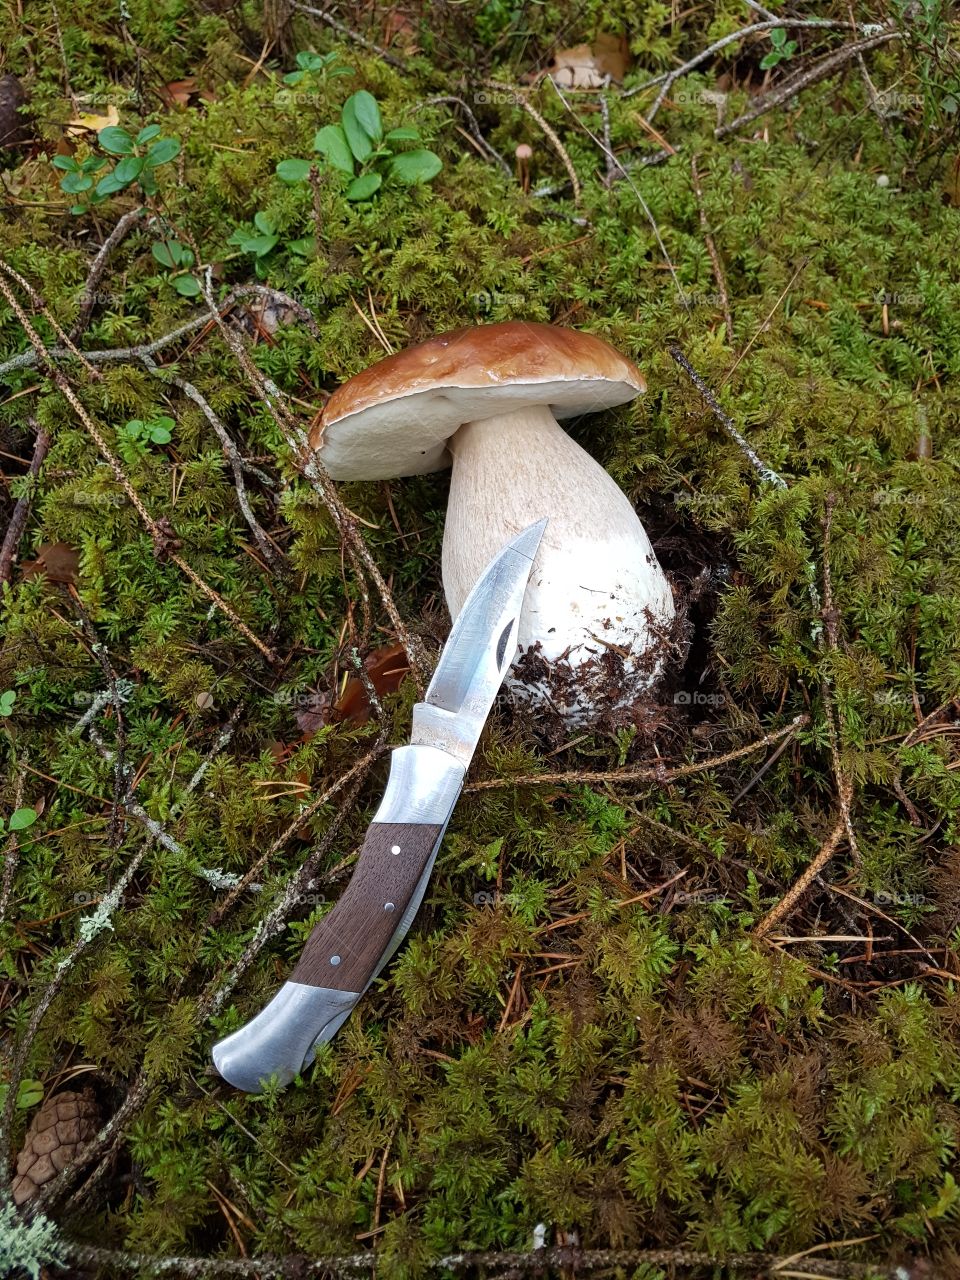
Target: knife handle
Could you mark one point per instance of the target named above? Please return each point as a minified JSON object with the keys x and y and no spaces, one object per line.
{"x":345,"y":947}
{"x":355,"y":939}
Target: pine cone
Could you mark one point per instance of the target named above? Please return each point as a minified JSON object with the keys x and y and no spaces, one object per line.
{"x":62,"y":1125}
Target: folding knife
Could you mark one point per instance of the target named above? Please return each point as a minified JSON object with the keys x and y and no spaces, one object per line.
{"x":356,"y":938}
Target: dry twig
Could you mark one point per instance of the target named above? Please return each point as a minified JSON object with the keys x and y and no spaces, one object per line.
{"x":18,"y":521}
{"x":646,"y":773}
{"x":712,"y":249}
{"x":162,"y":536}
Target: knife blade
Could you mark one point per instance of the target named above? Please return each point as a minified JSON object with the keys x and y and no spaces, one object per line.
{"x":349,"y":947}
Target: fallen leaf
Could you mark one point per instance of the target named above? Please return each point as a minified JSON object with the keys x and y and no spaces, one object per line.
{"x":177,"y":93}
{"x":57,"y":561}
{"x":386,"y":668}
{"x":92,"y":123}
{"x":587,"y":66}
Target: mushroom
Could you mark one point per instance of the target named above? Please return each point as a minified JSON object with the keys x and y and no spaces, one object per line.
{"x":598,"y":609}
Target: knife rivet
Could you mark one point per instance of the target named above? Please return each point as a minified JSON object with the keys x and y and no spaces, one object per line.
{"x":334,"y":959}
{"x":395,"y":849}
{"x":388,"y":906}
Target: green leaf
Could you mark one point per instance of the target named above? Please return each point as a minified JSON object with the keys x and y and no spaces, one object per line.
{"x":159,"y":435}
{"x":293,"y":170}
{"x":293,"y":77}
{"x":148,"y":183}
{"x":332,"y":144}
{"x":359,"y":140}
{"x":29,"y":1093}
{"x":305,"y":248}
{"x":128,"y":169}
{"x":134,"y":427}
{"x":93,"y":163}
{"x":115,"y":140}
{"x":65,"y":162}
{"x":404,"y":134}
{"x":148,"y":133}
{"x":187,"y":286}
{"x":7,"y":699}
{"x":109,"y":185}
{"x":73,"y":183}
{"x":778,"y":37}
{"x":263,"y":222}
{"x":411,"y":167}
{"x":78,"y":208}
{"x":362,"y":188}
{"x":261,"y":245}
{"x":364,"y":108}
{"x":20,"y":819}
{"x":163,"y":151}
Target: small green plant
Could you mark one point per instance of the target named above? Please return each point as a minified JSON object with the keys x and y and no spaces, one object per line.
{"x":262,"y":238}
{"x":138,"y":435}
{"x":19,"y":820}
{"x":7,"y":699}
{"x":316,"y":64}
{"x":29,"y":1093}
{"x":139,"y":155}
{"x":177,"y":258}
{"x":358,"y":148}
{"x":782,"y":51}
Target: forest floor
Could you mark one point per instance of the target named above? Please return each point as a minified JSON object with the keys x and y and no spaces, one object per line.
{"x":682,"y":999}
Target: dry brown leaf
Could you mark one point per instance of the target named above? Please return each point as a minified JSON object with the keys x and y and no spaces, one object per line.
{"x":587,"y":66}
{"x":57,"y":561}
{"x":386,"y":668}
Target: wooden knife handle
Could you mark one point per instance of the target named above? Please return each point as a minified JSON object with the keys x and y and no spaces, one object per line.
{"x":344,"y":949}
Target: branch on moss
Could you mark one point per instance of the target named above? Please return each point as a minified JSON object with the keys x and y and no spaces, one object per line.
{"x":119,"y":355}
{"x":548,"y":131}
{"x":669,"y":78}
{"x":712,"y":249}
{"x":655,"y":773}
{"x":804,"y":79}
{"x":88,"y":298}
{"x":165,"y":545}
{"x":271,"y":553}
{"x":800,"y":887}
{"x":316,"y":474}
{"x":342,"y":29}
{"x":355,"y":774}
{"x":474,"y":127}
{"x":18,"y":521}
{"x":11,"y":852}
{"x":561,"y":1259}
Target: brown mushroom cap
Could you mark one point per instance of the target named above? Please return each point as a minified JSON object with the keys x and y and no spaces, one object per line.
{"x":395,"y":417}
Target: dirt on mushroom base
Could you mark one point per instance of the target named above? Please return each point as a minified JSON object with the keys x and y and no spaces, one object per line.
{"x":617,"y":688}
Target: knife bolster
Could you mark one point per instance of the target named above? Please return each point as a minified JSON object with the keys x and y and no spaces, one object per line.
{"x":423,"y":786}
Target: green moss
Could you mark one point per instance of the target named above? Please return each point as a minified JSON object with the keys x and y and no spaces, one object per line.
{"x":645,"y":1072}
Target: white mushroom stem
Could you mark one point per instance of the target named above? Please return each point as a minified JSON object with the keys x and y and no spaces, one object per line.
{"x":596,"y":583}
